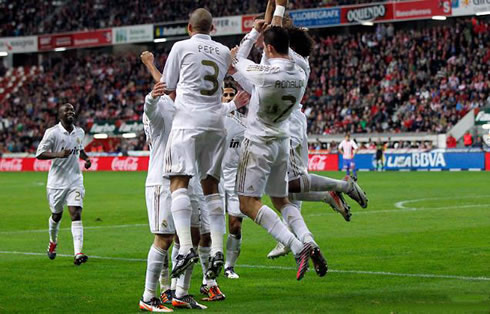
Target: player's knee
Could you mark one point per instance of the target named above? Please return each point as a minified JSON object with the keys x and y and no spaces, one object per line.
{"x":76,"y":213}
{"x":56,"y":216}
{"x":210,"y":185}
{"x":179,"y":182}
{"x":163,"y":241}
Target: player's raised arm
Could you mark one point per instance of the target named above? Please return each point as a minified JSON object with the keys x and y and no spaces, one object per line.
{"x":250,"y":39}
{"x":269,"y":11}
{"x":251,"y":71}
{"x":172,"y":68}
{"x":279,"y":12}
{"x":240,"y":100}
{"x":148,"y":60}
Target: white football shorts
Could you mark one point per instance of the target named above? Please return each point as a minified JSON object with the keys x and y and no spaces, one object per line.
{"x":296,"y":165}
{"x":186,"y":147}
{"x":158,"y":204}
{"x":58,"y":198}
{"x":263,"y":168}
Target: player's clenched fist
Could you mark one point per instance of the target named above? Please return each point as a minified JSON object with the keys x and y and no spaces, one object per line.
{"x":147,"y":57}
{"x":158,"y":90}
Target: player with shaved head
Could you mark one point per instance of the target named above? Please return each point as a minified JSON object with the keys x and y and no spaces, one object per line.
{"x":63,"y":144}
{"x":195,"y":69}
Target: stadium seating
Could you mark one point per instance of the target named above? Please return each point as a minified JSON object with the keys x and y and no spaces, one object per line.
{"x":380,"y":79}
{"x":21,"y":18}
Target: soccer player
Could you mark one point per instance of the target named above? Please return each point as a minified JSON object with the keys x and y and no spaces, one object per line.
{"x":195,"y":68}
{"x":264,"y":154}
{"x":63,"y":143}
{"x":157,"y":121}
{"x":235,"y":128}
{"x":348,"y":148}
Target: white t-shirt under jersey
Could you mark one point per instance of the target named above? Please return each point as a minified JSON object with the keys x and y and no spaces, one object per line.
{"x":157,"y":122}
{"x":235,"y":129}
{"x":64,"y":172}
{"x":348,"y":147}
{"x":196,"y":68}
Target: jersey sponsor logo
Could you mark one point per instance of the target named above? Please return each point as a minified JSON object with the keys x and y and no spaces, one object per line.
{"x":14,"y":164}
{"x":42,"y":165}
{"x":234,"y":143}
{"x":127,"y":164}
{"x":262,"y":68}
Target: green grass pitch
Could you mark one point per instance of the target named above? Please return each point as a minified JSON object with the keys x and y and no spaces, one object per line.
{"x":422,"y":245}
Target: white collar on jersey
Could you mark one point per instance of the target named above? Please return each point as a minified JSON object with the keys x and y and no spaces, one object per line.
{"x":65,"y":130}
{"x":202,"y":36}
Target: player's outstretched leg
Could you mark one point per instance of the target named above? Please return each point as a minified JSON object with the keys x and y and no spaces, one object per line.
{"x":334,"y":199}
{"x":54,"y":227}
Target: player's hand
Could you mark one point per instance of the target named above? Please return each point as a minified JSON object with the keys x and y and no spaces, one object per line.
{"x":231,"y":70}
{"x":158,"y":90}
{"x":147,"y":57}
{"x":88,"y":163}
{"x":259,"y":25}
{"x":241,"y":99}
{"x":233,"y":52}
{"x":64,"y":153}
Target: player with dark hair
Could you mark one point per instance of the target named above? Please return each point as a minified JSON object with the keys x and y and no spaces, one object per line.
{"x":63,"y":144}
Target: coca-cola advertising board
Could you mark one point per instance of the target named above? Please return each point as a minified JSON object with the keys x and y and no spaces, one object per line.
{"x":323,"y":162}
{"x":98,"y":164}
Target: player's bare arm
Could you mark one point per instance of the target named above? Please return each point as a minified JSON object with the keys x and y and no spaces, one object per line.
{"x":84,"y":156}
{"x":279,"y":11}
{"x":149,"y":61}
{"x":158,"y":90}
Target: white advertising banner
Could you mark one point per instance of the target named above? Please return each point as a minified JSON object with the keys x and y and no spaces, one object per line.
{"x":132,"y":34}
{"x":470,"y":7}
{"x":228,"y":25}
{"x":18,"y":44}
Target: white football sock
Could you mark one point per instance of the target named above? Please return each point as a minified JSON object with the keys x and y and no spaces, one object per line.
{"x":154,"y":265}
{"x":164,"y":275}
{"x":233,"y":246}
{"x":182,"y":212}
{"x":320,"y":183}
{"x":310,"y":196}
{"x":204,"y":258}
{"x":77,"y":233}
{"x":54,"y":228}
{"x":184,"y":282}
{"x":217,"y":223}
{"x":294,"y":219}
{"x":270,"y":221}
{"x":204,"y":252}
{"x":175,"y":253}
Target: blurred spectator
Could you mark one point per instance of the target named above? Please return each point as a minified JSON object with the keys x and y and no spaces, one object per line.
{"x":451,"y":141}
{"x":468,"y":139}
{"x":478,"y":142}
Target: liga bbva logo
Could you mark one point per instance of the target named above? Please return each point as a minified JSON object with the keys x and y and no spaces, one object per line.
{"x":415,"y":160}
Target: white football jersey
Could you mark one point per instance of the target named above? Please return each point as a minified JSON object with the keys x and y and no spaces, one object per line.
{"x":235,"y":129}
{"x":64,"y":172}
{"x":278,"y":88}
{"x":196,"y":68}
{"x":157,"y":122}
{"x":298,"y":130}
{"x":348,"y":147}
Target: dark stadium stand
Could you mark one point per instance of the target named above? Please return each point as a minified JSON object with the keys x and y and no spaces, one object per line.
{"x":21,"y":18}
{"x":386,"y":79}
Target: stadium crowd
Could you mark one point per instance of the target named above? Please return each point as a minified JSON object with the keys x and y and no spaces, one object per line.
{"x":22,"y":18}
{"x":380,"y":80}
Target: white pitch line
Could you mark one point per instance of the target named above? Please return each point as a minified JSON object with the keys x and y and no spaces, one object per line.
{"x":361,"y":272}
{"x":67,"y":229}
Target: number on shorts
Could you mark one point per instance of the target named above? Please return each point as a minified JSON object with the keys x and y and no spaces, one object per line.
{"x":211,"y":78}
{"x":77,"y":196}
{"x":286,"y":98}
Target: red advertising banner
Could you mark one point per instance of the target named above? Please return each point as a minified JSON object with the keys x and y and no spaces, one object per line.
{"x":487,"y":161}
{"x":323,"y":162}
{"x":248,"y":22}
{"x":421,"y":9}
{"x":100,"y":37}
{"x":98,"y":164}
{"x":366,"y":13}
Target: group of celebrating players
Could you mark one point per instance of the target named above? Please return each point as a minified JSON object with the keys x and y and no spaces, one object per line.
{"x":205,"y":154}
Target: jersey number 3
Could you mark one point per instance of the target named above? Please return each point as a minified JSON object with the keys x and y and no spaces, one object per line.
{"x":213,"y":78}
